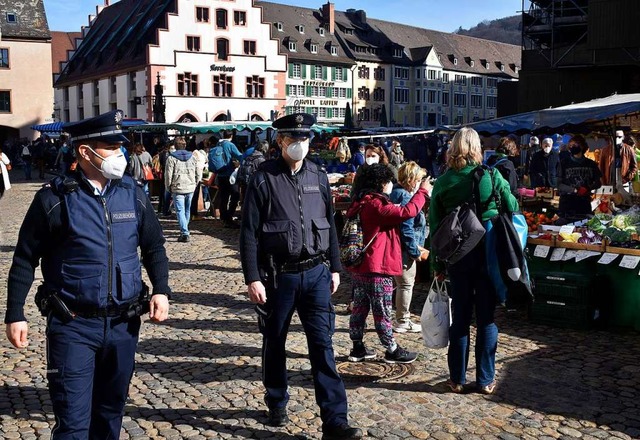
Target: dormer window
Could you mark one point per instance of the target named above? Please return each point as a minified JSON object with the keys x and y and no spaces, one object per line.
{"x":348,"y":31}
{"x":301,"y":28}
{"x":501,"y":67}
{"x":472,"y":63}
{"x":334,"y":51}
{"x":321,"y":31}
{"x":293,"y":46}
{"x":397,"y":53}
{"x":279,"y":26}
{"x":313,"y":48}
{"x":486,"y":64}
{"x":12,"y":17}
{"x":455,"y":61}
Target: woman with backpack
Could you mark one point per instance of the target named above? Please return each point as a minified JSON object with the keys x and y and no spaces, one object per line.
{"x":470,"y":285}
{"x":372,"y":279}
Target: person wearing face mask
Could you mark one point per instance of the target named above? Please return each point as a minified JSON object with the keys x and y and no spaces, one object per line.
{"x":372,"y":279}
{"x":578,"y":177}
{"x":85,"y":231}
{"x":544,"y":166}
{"x":624,"y":167}
{"x":290,"y":260}
{"x":372,"y":154}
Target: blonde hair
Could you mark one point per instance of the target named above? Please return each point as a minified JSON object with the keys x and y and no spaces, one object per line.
{"x":465,"y":149}
{"x":410,"y":171}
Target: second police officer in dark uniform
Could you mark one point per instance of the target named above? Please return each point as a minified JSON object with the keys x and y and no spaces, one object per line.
{"x":86,"y":230}
{"x":290,"y":260}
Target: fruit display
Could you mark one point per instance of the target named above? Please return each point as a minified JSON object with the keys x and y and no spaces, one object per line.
{"x":341,"y":193}
{"x":582,"y":236}
{"x":533,"y":220}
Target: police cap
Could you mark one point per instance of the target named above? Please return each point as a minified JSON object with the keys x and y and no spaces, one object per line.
{"x":105,"y":128}
{"x":295,"y":125}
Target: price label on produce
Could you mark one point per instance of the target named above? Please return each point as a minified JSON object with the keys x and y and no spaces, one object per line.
{"x":582,"y":255}
{"x":557,"y":254}
{"x":607,"y":258}
{"x":541,"y":251}
{"x":569,"y":255}
{"x":630,"y":262}
{"x":567,"y":229}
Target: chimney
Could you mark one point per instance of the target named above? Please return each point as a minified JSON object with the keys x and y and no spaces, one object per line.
{"x":107,"y":3}
{"x":361,"y":16}
{"x":329,"y":16}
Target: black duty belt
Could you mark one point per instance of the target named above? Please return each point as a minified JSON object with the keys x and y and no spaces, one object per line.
{"x":302,"y":265}
{"x":102,"y":312}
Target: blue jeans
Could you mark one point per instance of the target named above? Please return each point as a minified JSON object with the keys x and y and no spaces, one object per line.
{"x":182,"y":202}
{"x":27,"y":169}
{"x":309,"y":293}
{"x":471,"y":287}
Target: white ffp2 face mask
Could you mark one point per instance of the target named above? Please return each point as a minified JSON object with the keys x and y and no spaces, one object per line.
{"x":298,"y":150}
{"x":113,"y":167}
{"x":371,"y":160}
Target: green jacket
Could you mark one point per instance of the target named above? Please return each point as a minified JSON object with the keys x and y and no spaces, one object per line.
{"x":453,"y":188}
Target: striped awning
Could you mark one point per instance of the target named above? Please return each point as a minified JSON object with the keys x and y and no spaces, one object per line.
{"x":53,"y":127}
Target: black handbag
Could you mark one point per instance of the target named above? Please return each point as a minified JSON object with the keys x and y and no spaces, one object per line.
{"x":460,"y":231}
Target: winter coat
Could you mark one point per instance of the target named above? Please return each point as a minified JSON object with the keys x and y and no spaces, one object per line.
{"x":182,"y":173}
{"x":379,"y":215}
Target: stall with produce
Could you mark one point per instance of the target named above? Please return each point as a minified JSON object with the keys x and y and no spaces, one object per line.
{"x":585,"y":273}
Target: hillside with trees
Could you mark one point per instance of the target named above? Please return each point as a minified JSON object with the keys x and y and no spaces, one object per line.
{"x":504,"y":30}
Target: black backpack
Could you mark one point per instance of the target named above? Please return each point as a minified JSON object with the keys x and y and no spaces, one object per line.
{"x":460,"y":231}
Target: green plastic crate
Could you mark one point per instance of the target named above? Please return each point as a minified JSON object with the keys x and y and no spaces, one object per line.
{"x":564,"y":300}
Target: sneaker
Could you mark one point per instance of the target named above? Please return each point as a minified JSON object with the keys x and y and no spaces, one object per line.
{"x":406,"y":326}
{"x":400,"y":356}
{"x":360,"y":353}
{"x":339,"y":432}
{"x":183,"y":239}
{"x":231,"y":225}
{"x":488,"y":389}
{"x":278,"y":416}
{"x":457,"y":388}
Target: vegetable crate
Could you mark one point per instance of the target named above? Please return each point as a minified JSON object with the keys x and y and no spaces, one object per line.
{"x":564,"y":300}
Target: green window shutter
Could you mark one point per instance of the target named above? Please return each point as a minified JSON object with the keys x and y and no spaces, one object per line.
{"x":329,"y":113}
{"x":329,"y":92}
{"x":345,"y":72}
{"x":349,"y":93}
{"x":308,"y":91}
{"x":288,"y":90}
{"x":312,"y":74}
{"x":307,"y":110}
{"x":304,"y":70}
{"x":324,"y":72}
{"x":333,"y":73}
{"x":290,"y":70}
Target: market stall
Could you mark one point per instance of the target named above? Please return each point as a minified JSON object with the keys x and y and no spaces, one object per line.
{"x":585,"y":273}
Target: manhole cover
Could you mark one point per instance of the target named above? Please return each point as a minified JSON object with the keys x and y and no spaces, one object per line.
{"x":367,"y":372}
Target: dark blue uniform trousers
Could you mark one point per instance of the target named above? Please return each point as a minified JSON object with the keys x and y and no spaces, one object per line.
{"x":90,"y":363}
{"x":309,"y":293}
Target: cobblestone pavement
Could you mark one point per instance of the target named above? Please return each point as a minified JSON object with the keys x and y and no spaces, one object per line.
{"x":198,"y":374}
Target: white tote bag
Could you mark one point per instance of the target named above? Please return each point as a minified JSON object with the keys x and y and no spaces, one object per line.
{"x":436,"y":318}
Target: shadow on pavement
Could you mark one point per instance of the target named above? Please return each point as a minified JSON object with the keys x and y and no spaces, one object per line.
{"x":215,"y":420}
{"x":590,"y":375}
{"x":32,"y":400}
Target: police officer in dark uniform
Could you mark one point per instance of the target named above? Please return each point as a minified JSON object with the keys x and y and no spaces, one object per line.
{"x":290,"y":260}
{"x":85,"y":230}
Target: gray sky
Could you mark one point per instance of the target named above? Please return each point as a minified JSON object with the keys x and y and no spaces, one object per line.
{"x":442,"y":15}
